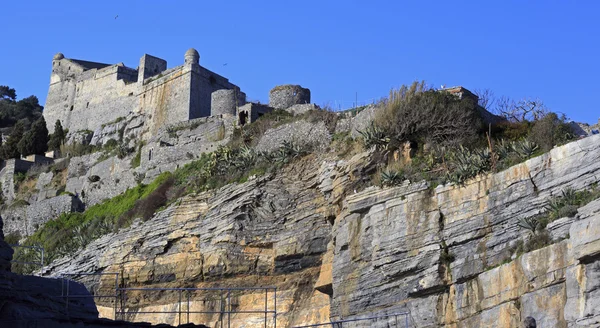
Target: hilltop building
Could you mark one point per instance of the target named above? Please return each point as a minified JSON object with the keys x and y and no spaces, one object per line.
{"x":86,"y":95}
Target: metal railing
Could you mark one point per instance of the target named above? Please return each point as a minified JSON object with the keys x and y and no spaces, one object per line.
{"x":224,"y":299}
{"x":393,"y":317}
{"x":39,"y":249}
{"x":66,"y":291}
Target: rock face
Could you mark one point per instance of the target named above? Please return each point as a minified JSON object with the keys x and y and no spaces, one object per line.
{"x":446,"y":255}
{"x":28,"y":301}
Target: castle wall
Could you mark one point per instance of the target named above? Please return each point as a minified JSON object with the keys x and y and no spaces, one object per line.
{"x":166,"y":98}
{"x":204,"y":83}
{"x":87,"y":96}
{"x":90,"y":99}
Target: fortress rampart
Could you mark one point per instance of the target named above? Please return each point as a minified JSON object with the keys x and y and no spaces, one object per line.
{"x":86,"y":95}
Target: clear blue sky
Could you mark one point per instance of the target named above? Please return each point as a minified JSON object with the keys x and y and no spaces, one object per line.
{"x":545,"y":49}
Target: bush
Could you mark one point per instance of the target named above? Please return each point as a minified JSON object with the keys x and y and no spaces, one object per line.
{"x":146,"y":207}
{"x":419,"y":115}
{"x":550,"y":131}
{"x":374,"y":137}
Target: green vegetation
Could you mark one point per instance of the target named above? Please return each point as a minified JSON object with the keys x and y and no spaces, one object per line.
{"x":11,"y":111}
{"x":447,"y":139}
{"x":12,"y":238}
{"x":35,"y":140}
{"x":57,"y":139}
{"x":566,"y":204}
{"x":137,"y":159}
{"x":70,"y":231}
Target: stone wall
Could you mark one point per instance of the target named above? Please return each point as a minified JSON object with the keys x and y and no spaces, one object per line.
{"x":178,"y":144}
{"x":85,"y":100}
{"x":114,"y":177}
{"x":25,"y":220}
{"x":226,"y":102}
{"x":88,"y":96}
{"x":250,"y":112}
{"x":150,"y":66}
{"x":285,"y":96}
{"x":309,"y":135}
{"x":352,"y":123}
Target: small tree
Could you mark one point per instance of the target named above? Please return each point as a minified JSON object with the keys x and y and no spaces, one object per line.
{"x":35,"y":141}
{"x":486,"y":97}
{"x":421,"y":115}
{"x":58,"y":137}
{"x":523,"y":110}
{"x":10,"y":149}
{"x":551,"y":130}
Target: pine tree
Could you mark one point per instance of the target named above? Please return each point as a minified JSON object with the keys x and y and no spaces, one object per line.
{"x":58,"y":137}
{"x":34,"y":141}
{"x":10,"y":149}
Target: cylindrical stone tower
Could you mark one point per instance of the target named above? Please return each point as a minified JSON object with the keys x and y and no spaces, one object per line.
{"x":224,"y":101}
{"x":285,"y":96}
{"x":192,"y":56}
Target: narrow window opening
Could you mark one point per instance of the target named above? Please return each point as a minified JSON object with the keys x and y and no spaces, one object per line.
{"x":150,"y":155}
{"x":87,"y":105}
{"x":243,"y":118}
{"x":71,"y":108}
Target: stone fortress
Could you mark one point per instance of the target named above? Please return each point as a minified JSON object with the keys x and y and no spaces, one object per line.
{"x":85,"y":95}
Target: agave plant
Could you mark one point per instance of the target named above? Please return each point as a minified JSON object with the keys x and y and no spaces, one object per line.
{"x":503,"y":149}
{"x":530,"y":224}
{"x":391,"y":178}
{"x":468,"y":163}
{"x":244,"y":157}
{"x":525,"y":148}
{"x":374,"y":137}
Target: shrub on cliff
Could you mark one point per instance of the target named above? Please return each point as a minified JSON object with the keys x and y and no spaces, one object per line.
{"x":420,"y":115}
{"x":551,"y":130}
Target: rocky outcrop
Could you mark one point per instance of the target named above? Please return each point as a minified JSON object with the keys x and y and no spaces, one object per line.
{"x":312,"y":135}
{"x":178,"y":144}
{"x":445,"y":255}
{"x":114,"y":176}
{"x":429,"y":252}
{"x":29,"y":301}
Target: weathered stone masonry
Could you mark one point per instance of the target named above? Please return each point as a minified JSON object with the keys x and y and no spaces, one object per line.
{"x":87,"y":95}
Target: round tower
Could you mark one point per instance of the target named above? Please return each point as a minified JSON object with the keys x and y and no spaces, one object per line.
{"x":285,"y":96}
{"x":192,"y":56}
{"x":58,"y":56}
{"x":226,"y":101}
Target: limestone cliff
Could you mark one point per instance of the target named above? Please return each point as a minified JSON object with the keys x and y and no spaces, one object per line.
{"x":446,"y":255}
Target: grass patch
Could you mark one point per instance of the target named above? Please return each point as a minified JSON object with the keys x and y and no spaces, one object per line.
{"x":71,"y":231}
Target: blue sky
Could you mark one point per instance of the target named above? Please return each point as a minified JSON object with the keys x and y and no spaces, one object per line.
{"x":338,"y":49}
